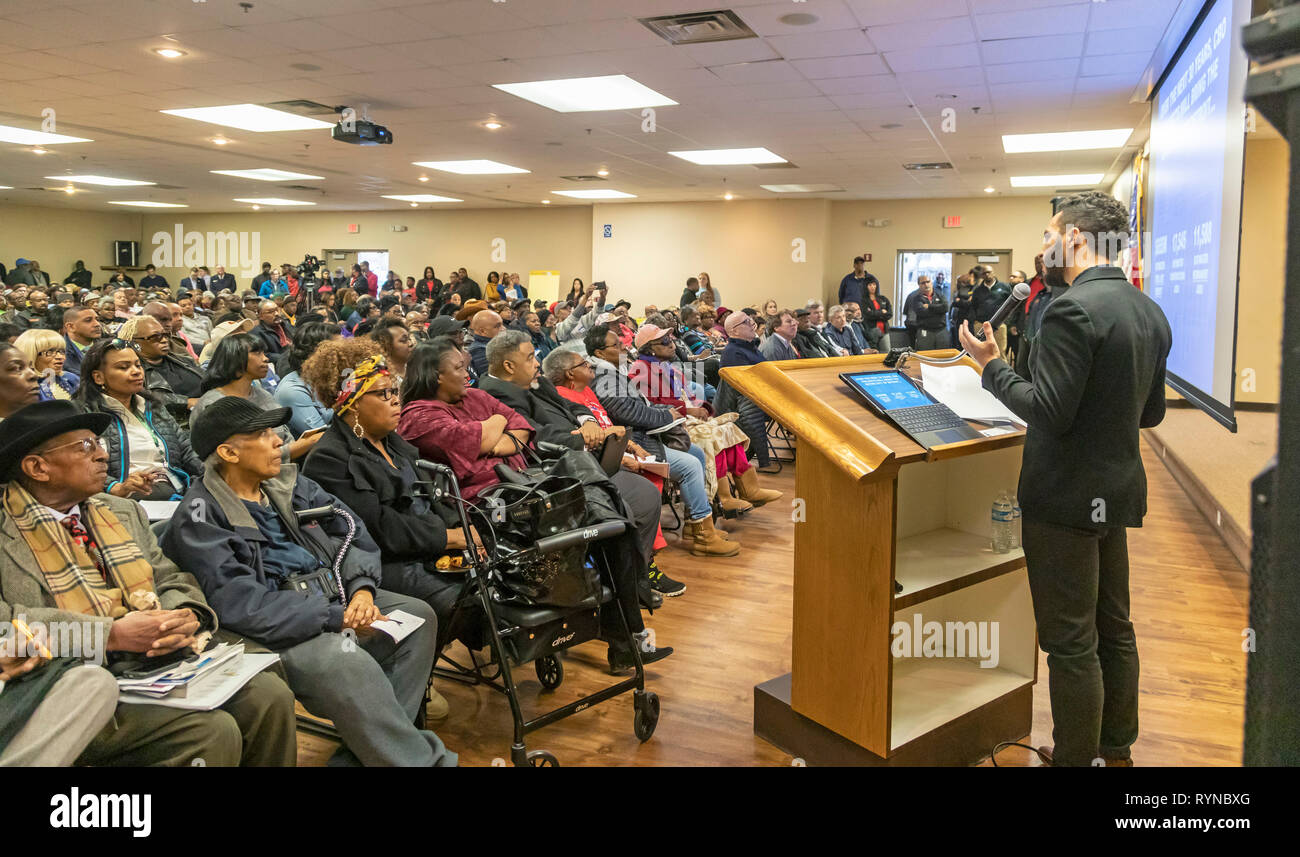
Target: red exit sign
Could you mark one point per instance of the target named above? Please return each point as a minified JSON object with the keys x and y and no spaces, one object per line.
{"x":354,"y":227}
{"x":952,"y":221}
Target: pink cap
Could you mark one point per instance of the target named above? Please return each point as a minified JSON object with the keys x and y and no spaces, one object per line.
{"x":647,"y":333}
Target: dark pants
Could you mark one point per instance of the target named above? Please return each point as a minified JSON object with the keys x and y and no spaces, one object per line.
{"x":1079,"y":581}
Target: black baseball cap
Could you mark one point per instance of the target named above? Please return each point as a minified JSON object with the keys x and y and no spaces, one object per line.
{"x":227,"y":417}
{"x":445,"y":325}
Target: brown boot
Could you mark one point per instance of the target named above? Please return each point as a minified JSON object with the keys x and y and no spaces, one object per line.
{"x":709,"y":542}
{"x":748,"y":488}
{"x":732,"y":506}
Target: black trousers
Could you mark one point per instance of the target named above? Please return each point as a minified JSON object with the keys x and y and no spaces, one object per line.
{"x":1079,"y":582}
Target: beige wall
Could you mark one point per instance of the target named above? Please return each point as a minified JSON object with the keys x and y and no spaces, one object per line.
{"x":917,"y":224}
{"x":57,"y":237}
{"x":747,"y":247}
{"x":1262,"y":268}
{"x":556,"y":239}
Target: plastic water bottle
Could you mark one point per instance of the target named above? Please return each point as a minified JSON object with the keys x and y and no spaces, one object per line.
{"x":1002,"y":515}
{"x":1015,"y":521}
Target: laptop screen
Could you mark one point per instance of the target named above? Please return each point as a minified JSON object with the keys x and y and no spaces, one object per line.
{"x":889,"y":390}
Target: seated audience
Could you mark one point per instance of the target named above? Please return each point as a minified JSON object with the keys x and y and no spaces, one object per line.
{"x":271,"y":329}
{"x":484,"y":325}
{"x":621,"y":399}
{"x":81,"y":328}
{"x":269,"y":578}
{"x":195,"y":325}
{"x":45,"y":350}
{"x":394,"y":339}
{"x":237,"y":367}
{"x":662,"y":383}
{"x":840,"y":333}
{"x":19,"y":384}
{"x":782,"y":328}
{"x":50,"y":718}
{"x":75,"y":555}
{"x":149,"y":456}
{"x":471,"y":432}
{"x":222,"y":328}
{"x":305,"y":410}
{"x":173,"y":381}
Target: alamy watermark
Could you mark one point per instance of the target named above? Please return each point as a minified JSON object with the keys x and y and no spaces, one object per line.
{"x":933,"y":639}
{"x":82,"y":640}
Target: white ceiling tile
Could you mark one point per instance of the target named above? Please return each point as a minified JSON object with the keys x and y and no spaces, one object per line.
{"x":855,"y":85}
{"x":857,"y":66}
{"x":1032,"y":48}
{"x":756,"y":72}
{"x":1123,"y":14}
{"x":917,"y":59}
{"x":1123,"y":41}
{"x":1131,"y":64}
{"x":766,"y":20}
{"x":871,"y":12}
{"x":1047,"y":21}
{"x":734,"y":51}
{"x":1021,"y":72}
{"x":814,"y":45}
{"x":917,"y":34}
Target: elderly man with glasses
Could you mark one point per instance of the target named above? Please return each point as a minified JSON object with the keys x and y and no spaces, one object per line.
{"x":77,"y":557}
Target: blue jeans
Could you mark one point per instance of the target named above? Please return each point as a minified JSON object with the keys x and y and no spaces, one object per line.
{"x":687,"y":470}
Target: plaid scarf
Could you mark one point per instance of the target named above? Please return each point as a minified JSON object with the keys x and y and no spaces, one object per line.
{"x":68,"y":569}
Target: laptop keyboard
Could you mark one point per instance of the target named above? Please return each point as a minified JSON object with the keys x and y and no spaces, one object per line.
{"x":927,"y":418}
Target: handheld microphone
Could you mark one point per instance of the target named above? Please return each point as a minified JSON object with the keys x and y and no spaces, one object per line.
{"x":1018,"y":296}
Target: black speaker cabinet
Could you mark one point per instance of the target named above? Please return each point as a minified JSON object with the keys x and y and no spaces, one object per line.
{"x":127,"y":253}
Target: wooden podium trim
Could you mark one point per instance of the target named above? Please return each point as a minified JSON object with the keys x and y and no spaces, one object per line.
{"x":855,"y":452}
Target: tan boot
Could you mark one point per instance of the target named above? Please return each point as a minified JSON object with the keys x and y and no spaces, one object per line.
{"x":438,"y":707}
{"x":748,"y":488}
{"x":709,"y":542}
{"x":732,"y":506}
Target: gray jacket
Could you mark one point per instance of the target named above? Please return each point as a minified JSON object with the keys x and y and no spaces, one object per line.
{"x":775,"y":347}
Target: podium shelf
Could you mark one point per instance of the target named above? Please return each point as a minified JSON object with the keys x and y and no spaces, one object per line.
{"x":944,"y":560}
{"x":930,"y":692}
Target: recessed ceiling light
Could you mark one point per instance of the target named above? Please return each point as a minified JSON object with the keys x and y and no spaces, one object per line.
{"x":801,"y":188}
{"x":24,"y":137}
{"x":106,"y":181}
{"x":271,"y":200}
{"x":69,"y":190}
{"x":169,"y":53}
{"x":602,"y":172}
{"x":728,"y":196}
{"x":256,"y":207}
{"x":1078,"y":180}
{"x":716,"y":157}
{"x":423,"y":178}
{"x":471,"y":168}
{"x":250,"y":117}
{"x":492,"y":125}
{"x":1065,"y":141}
{"x":989,"y":189}
{"x":6,"y":187}
{"x":546,"y":202}
{"x":146,"y":203}
{"x":580,"y":94}
{"x":39,"y":151}
{"x":420,"y":197}
{"x":265,"y":174}
{"x":220,"y":141}
{"x":415,"y":205}
{"x":595,"y":194}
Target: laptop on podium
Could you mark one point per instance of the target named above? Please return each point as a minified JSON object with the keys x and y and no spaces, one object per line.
{"x":894,"y":396}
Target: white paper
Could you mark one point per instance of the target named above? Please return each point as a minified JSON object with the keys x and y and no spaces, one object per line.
{"x":159,"y":510}
{"x":959,"y":388}
{"x":675,"y":422}
{"x":399,"y":625}
{"x":214,"y":689}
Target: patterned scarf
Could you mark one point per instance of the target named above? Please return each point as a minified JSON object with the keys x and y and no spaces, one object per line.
{"x":68,"y":569}
{"x":355,"y":383}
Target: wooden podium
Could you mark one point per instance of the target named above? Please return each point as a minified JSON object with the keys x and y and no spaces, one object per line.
{"x":873,"y":507}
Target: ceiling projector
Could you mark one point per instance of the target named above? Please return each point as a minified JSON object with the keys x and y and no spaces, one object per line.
{"x":361,"y":132}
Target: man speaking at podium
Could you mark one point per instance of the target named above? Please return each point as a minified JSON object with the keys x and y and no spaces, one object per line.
{"x":1096,"y":375}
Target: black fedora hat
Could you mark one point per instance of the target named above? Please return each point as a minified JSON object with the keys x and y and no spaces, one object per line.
{"x":29,"y":427}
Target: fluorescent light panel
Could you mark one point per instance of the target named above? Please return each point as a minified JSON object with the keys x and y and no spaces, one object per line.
{"x":718,"y":157}
{"x":421,"y":197}
{"x":1065,"y":141}
{"x":801,"y":188}
{"x":24,"y":137}
{"x":106,"y":181}
{"x":470,"y":168}
{"x":595,"y":194}
{"x":250,"y":117}
{"x":145,"y":203}
{"x":272,"y":200}
{"x":581,"y":94}
{"x":264,"y":174}
{"x":1078,"y":180}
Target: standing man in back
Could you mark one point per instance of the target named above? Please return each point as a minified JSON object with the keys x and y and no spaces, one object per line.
{"x":1096,"y":376}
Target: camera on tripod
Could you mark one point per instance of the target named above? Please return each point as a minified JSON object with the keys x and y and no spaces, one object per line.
{"x":308,"y":267}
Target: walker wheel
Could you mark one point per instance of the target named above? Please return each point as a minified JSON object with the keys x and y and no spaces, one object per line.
{"x":550,"y":672}
{"x":645,"y":714}
{"x":542,"y":759}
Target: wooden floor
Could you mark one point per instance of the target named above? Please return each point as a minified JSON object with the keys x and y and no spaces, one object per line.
{"x":731,"y":630}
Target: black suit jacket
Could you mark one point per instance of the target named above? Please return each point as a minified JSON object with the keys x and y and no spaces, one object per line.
{"x":552,"y":416}
{"x":1097,"y":375}
{"x":223,"y":281}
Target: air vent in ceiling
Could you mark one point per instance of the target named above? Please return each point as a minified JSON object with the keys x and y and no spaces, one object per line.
{"x":303,"y":107}
{"x":583,"y":178}
{"x":696,"y":28}
{"x":307,"y":188}
{"x":785,"y":166}
{"x":939,"y":165}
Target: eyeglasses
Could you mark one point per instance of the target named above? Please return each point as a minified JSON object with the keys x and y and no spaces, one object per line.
{"x":156,"y":337}
{"x":119,"y":344}
{"x":51,"y":352}
{"x":388,"y":394}
{"x":87,"y":444}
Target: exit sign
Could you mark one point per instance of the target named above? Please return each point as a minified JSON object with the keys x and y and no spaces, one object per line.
{"x":354,"y":227}
{"x":952,"y":221}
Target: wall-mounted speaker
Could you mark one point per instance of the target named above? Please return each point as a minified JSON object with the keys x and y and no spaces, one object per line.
{"x":127,"y":253}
